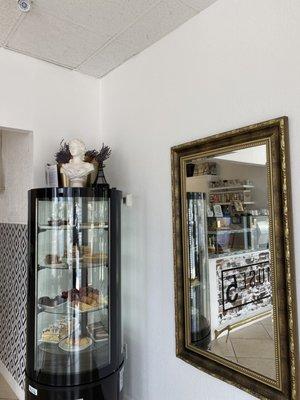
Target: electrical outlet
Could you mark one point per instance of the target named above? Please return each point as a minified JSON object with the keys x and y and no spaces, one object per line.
{"x":128,"y":200}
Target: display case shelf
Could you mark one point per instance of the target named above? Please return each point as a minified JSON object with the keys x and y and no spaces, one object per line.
{"x":43,"y":228}
{"x":233,"y":188}
{"x":55,"y":227}
{"x":70,"y":268}
{"x":228,"y":231}
{"x":231,"y":191}
{"x":229,"y":203}
{"x":71,"y":311}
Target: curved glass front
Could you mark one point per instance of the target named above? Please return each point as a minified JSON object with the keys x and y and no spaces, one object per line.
{"x":72,"y":324}
{"x":198,"y":270}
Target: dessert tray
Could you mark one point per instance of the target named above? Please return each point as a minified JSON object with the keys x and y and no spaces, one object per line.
{"x":84,"y":307}
{"x":97,"y":257}
{"x":75,"y":344}
{"x":85,"y":299}
{"x":58,"y":331}
{"x":57,"y":304}
{"x":53,"y":261}
{"x":58,"y":309}
{"x":98,"y":332}
{"x":61,"y":265}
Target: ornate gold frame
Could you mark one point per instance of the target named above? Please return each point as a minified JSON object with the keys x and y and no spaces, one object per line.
{"x":274,"y":134}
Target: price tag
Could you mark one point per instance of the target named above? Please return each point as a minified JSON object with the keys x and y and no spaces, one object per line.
{"x":33,"y":390}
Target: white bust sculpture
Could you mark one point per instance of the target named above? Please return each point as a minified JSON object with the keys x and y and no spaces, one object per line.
{"x":77,"y":169}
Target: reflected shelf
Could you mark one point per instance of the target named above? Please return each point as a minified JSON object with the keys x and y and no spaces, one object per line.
{"x":233,"y":188}
{"x":222,"y":231}
{"x":229,"y":253}
{"x":230,"y":203}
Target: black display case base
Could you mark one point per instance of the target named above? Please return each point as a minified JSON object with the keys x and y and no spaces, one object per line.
{"x":110,"y":388}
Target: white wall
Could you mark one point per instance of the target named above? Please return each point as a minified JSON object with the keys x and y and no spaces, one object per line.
{"x":256,"y":173}
{"x":51,"y":102}
{"x":17,"y":160}
{"x":236,"y":63}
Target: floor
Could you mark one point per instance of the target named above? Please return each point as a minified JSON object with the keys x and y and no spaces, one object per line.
{"x":5,"y":391}
{"x":252,"y":347}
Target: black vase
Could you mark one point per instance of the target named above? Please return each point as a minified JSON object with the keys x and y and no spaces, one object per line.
{"x":101,"y":180}
{"x":190,"y":170}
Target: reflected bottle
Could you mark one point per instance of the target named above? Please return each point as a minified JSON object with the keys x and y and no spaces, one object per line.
{"x":198,"y":270}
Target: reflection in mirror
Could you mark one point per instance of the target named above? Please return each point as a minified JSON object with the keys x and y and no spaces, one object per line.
{"x":230,"y":278}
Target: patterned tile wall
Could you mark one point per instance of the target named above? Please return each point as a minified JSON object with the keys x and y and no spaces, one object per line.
{"x":13,"y":287}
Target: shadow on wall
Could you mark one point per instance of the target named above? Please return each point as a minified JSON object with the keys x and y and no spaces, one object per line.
{"x":16,"y":172}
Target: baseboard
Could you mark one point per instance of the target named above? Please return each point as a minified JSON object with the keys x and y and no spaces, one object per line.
{"x":12,"y":383}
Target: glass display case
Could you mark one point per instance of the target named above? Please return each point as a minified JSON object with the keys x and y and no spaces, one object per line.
{"x":74,"y":339}
{"x":198,"y":270}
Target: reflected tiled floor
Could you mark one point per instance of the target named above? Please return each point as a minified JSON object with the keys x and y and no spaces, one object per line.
{"x":5,"y":391}
{"x":252,"y":347}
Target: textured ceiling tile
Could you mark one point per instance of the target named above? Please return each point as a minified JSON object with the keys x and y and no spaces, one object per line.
{"x":158,"y":22}
{"x":100,"y":16}
{"x":75,"y":33}
{"x":107,"y":59}
{"x":151,"y":27}
{"x":44,"y":36}
{"x":9,"y":15}
{"x":199,"y":4}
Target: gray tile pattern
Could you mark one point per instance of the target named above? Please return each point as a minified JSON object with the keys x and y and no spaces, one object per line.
{"x":13,"y":288}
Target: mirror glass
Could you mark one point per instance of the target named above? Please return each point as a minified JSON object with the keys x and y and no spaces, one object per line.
{"x":229,"y":274}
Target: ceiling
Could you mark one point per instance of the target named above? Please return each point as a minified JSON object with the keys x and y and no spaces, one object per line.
{"x":91,"y":36}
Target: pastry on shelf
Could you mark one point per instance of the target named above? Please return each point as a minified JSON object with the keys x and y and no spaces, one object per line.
{"x":94,"y":258}
{"x":95,"y":325}
{"x":72,"y":343}
{"x":77,"y":341}
{"x":70,"y":295}
{"x":97,"y":331}
{"x":99,"y":335}
{"x":57,"y":222}
{"x":54,"y":333}
{"x":48,"y":302}
{"x":53,"y":259}
{"x":85,"y":299}
{"x":83,"y":307}
{"x":74,"y":252}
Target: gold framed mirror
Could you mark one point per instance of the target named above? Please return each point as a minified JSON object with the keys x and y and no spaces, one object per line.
{"x":233,"y":258}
